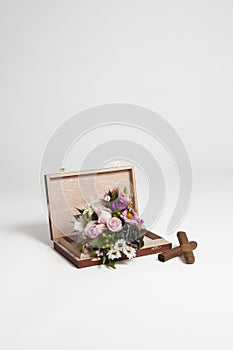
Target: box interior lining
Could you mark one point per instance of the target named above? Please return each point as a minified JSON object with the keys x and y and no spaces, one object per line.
{"x":68,"y":191}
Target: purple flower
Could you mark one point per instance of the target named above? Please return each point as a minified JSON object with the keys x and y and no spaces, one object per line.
{"x":119,"y":204}
{"x":130,"y":216}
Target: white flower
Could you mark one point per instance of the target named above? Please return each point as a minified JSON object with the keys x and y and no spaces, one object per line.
{"x":89,"y":207}
{"x":88,"y":211}
{"x":130,"y":252}
{"x":120,"y":245}
{"x":113,"y":254}
{"x":80,"y":224}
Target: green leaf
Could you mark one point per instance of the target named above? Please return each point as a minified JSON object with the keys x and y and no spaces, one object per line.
{"x":141,"y":244}
{"x":106,"y":203}
{"x":142,"y":232}
{"x":81,"y":240}
{"x":125,"y":190}
{"x":114,"y":196}
{"x":111,"y":264}
{"x":104,"y":258}
{"x":95,"y":242}
{"x":94,"y":216}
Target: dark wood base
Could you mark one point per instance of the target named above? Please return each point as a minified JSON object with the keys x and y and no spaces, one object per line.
{"x":69,"y":252}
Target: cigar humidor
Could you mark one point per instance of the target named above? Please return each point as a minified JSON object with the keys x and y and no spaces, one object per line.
{"x":69,"y":190}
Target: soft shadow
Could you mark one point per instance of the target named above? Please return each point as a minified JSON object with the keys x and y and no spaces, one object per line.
{"x":37,"y":231}
{"x":182,"y":258}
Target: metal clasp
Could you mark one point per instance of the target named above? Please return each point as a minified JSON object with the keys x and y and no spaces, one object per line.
{"x":155,"y":248}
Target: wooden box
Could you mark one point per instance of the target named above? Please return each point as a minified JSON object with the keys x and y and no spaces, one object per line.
{"x":69,"y":190}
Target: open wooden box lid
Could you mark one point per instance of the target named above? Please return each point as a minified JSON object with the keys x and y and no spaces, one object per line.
{"x":69,"y":190}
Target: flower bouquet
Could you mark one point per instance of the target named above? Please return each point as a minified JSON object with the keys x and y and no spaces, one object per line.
{"x":109,"y":229}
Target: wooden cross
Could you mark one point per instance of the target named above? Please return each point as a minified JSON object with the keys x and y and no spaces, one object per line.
{"x":185,"y":249}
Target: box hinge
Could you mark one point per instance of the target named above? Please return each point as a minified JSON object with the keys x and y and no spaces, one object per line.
{"x":117,"y":164}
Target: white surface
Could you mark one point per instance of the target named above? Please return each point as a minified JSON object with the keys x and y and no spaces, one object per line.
{"x":47,"y":303}
{"x":59,"y":57}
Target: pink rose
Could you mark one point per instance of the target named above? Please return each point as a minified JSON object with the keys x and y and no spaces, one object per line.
{"x":99,"y":207}
{"x":104,"y":216}
{"x":93,"y":229}
{"x":114,"y":224}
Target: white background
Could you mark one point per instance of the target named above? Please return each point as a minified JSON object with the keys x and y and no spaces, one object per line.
{"x":60,"y":57}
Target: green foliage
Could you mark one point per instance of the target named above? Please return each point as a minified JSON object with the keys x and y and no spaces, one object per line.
{"x":131,"y":233}
{"x":103,"y":259}
{"x":114,"y":196}
{"x":142,"y":232}
{"x":106,"y":203}
{"x":82,"y":240}
{"x":94,"y":216}
{"x":111,"y":263}
{"x":97,"y":242}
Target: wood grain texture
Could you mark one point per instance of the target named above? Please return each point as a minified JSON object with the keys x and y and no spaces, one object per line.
{"x":66,"y":191}
{"x":69,"y":250}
